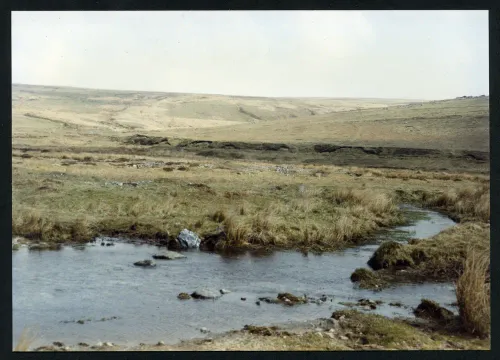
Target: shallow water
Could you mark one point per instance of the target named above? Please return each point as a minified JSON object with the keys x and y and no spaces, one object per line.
{"x":54,"y":289}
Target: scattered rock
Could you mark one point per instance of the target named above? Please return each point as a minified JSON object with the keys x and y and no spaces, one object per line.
{"x":108,"y":344}
{"x":145,"y":263}
{"x":160,"y":343}
{"x":183,"y":296}
{"x":110,"y":244}
{"x":396,"y":304}
{"x":168,"y":255}
{"x":224,"y":291}
{"x":82,"y":344}
{"x":257,"y":303}
{"x":188,"y":240}
{"x":291,"y":299}
{"x":330,"y":335}
{"x":205,"y":294}
{"x":367,"y":302}
{"x":431,"y":310}
{"x":81,"y":322}
{"x":204,"y":330}
{"x":243,"y":299}
{"x":264,"y":330}
{"x":58,"y":344}
{"x":342,"y":337}
{"x":269,"y":300}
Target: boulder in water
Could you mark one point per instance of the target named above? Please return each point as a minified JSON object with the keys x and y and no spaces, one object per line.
{"x":205,"y":294}
{"x":168,"y":255}
{"x":145,"y":263}
{"x":224,"y":291}
{"x":188,"y":240}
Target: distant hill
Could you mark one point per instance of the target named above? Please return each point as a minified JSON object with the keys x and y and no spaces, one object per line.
{"x":50,"y":111}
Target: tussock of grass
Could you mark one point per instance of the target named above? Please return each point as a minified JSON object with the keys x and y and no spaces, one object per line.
{"x":441,"y":256}
{"x":376,"y":329}
{"x":466,"y":204}
{"x":473,"y":293}
{"x":367,"y":279}
{"x":37,"y":227}
{"x":390,"y":254}
{"x":372,"y":329}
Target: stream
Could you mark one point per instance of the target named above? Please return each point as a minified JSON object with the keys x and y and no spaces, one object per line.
{"x":125,"y":304}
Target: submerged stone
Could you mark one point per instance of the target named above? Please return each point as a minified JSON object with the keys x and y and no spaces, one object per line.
{"x":168,"y":255}
{"x":145,"y":263}
{"x":205,"y":294}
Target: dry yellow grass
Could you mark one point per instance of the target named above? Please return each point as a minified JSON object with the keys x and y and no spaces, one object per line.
{"x":26,"y":340}
{"x":473,"y":293}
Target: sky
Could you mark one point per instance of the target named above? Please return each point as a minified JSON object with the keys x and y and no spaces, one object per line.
{"x":361,"y":54}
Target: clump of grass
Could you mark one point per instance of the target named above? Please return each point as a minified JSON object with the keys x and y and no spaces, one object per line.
{"x":219,"y":216}
{"x":473,"y":294}
{"x":32,"y":225}
{"x":236,"y":234}
{"x":367,"y":279}
{"x":431,"y":310}
{"x":439,"y":257}
{"x":467,"y":204}
{"x":25,"y":341}
{"x":376,"y":329}
{"x":390,"y":254}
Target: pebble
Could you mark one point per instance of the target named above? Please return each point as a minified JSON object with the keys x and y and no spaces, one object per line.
{"x":204,"y":330}
{"x":243,"y":299}
{"x":257,"y":302}
{"x":160,"y":343}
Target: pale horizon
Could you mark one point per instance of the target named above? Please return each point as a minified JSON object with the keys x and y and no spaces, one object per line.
{"x":414,"y":55}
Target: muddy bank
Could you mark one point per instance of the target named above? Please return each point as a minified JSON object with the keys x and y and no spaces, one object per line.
{"x":343,"y":330}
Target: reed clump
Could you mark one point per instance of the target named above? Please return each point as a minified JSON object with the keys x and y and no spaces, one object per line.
{"x":473,"y":293}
